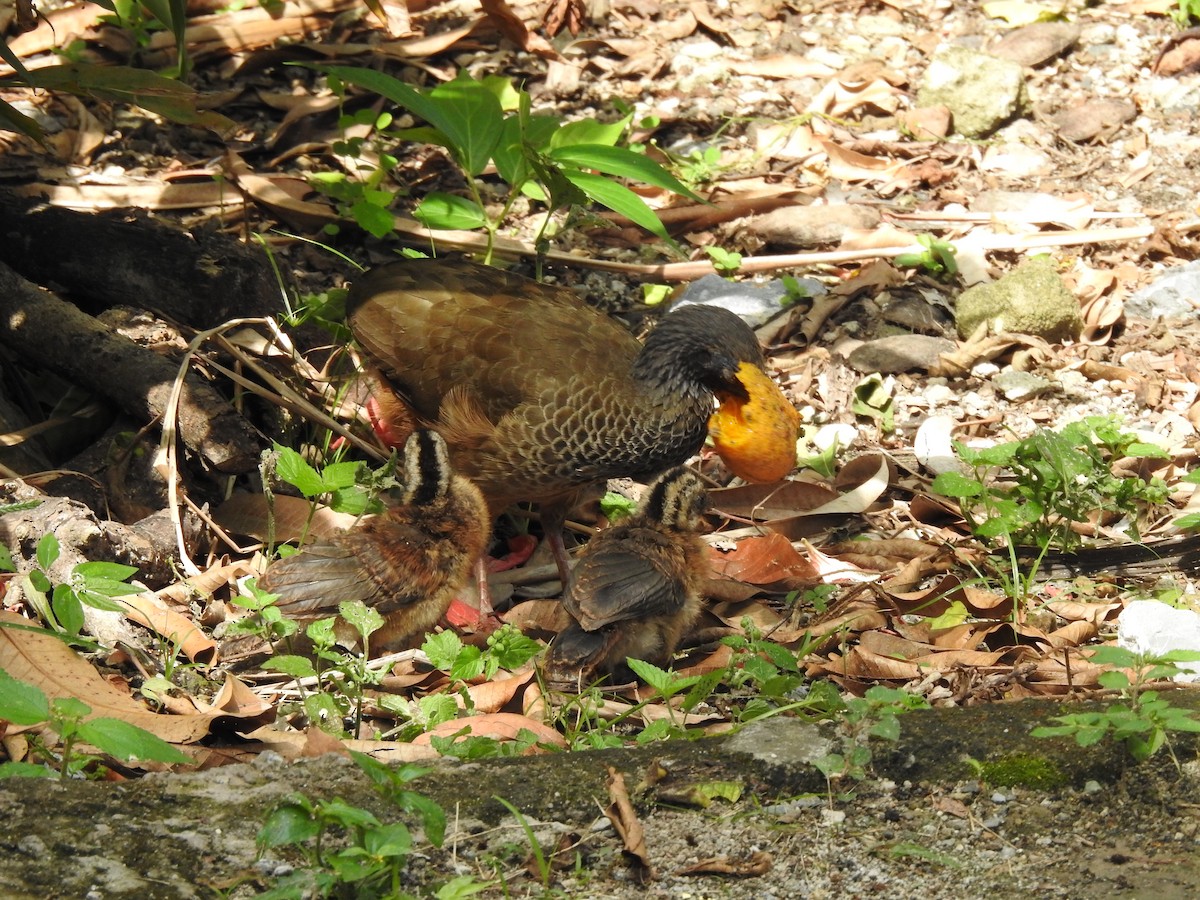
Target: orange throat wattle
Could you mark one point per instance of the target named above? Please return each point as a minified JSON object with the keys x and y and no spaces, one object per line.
{"x":756,"y":437}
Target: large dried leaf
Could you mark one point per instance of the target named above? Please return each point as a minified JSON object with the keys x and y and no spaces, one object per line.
{"x":50,"y":665}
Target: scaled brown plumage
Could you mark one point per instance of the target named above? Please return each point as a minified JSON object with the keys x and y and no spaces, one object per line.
{"x":406,"y":562}
{"x":539,"y":395}
{"x":636,"y":589}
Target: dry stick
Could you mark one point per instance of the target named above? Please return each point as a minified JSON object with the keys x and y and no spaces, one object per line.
{"x":166,"y":458}
{"x":689,"y":271}
{"x":285,"y":397}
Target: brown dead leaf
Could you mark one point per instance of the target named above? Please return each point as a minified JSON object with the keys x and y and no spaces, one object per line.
{"x":493,"y":695}
{"x":50,"y":665}
{"x":1076,"y":611}
{"x":767,"y":502}
{"x":295,"y":518}
{"x":1074,"y":634}
{"x":319,"y":743}
{"x":545,"y":616}
{"x":781,"y":65}
{"x":1180,"y":55}
{"x":150,"y":611}
{"x":839,"y":98}
{"x":760,"y":614}
{"x":511,"y":26}
{"x":758,"y":863}
{"x":769,"y":561}
{"x":500,"y":726}
{"x":291,"y":746}
{"x":952,"y":807}
{"x":626,"y":823}
{"x":706,"y":18}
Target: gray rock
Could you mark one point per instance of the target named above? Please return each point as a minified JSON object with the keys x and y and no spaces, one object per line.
{"x":1174,"y":293}
{"x":755,"y":303}
{"x":1017,"y":386}
{"x":899,"y":353}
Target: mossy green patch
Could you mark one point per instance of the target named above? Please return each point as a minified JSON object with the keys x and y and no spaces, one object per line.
{"x":1022,"y":770}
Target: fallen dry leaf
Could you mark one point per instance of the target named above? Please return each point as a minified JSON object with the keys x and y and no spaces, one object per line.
{"x":626,"y":823}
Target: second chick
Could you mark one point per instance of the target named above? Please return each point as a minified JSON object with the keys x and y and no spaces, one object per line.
{"x":636,"y":589}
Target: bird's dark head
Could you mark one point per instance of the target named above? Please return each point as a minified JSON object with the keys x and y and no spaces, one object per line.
{"x":425,"y":467}
{"x":677,"y":500}
{"x":699,"y":347}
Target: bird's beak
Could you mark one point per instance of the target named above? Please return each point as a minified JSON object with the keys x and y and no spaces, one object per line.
{"x":756,"y":437}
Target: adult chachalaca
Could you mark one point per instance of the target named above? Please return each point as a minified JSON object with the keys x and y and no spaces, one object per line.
{"x":540,"y":396}
{"x":406,"y":562}
{"x":635,"y":590}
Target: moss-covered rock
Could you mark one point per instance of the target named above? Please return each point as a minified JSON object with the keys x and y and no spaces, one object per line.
{"x":1031,"y":299}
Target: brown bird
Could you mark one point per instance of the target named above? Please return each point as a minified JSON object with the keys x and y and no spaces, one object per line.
{"x":405,"y":562}
{"x":636,"y":588}
{"x":539,"y":395}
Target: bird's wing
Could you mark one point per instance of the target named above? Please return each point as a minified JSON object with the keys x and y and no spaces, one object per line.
{"x":620,"y":583}
{"x":312,"y":583}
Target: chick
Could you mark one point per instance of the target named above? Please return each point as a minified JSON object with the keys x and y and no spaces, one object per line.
{"x":636,"y":589}
{"x":406,"y":563}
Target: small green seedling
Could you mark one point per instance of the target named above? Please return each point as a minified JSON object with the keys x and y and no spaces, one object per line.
{"x":937,"y":257}
{"x":348,"y":851}
{"x":1145,"y":720}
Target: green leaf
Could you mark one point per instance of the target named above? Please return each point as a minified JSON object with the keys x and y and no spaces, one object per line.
{"x":956,"y":485}
{"x":295,"y":666}
{"x":956,"y":614}
{"x":589,"y":132}
{"x":442,"y":649}
{"x":467,"y":665}
{"x":25,"y":770}
{"x":1112,"y":655}
{"x":372,"y":218}
{"x":12,"y":119}
{"x":342,"y":474}
{"x":619,"y":199}
{"x":354,"y":501}
{"x":461,"y":887}
{"x":469,"y":114}
{"x":68,"y":609}
{"x":293,"y":469}
{"x":661,"y":680}
{"x":511,"y":648}
{"x":47,"y":551}
{"x":624,"y":163}
{"x":21,"y":703}
{"x":519,"y":136}
{"x":68,"y":709}
{"x":1113,"y":681}
{"x":173,"y":14}
{"x":365,"y":620}
{"x":463,"y":110}
{"x":1190,"y":522}
{"x":123,"y":84}
{"x":438,"y":210}
{"x":107,"y":572}
{"x":289,"y":824}
{"x":392,"y":840}
{"x":128,"y":742}
{"x":6,"y":560}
